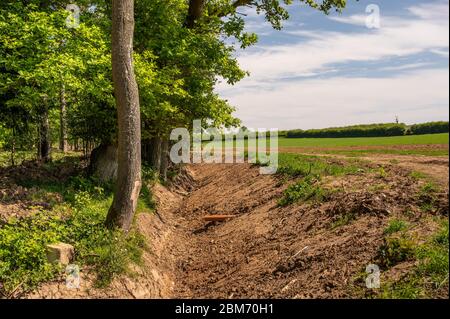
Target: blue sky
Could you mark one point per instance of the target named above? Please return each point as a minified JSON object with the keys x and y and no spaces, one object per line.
{"x":322,"y":71}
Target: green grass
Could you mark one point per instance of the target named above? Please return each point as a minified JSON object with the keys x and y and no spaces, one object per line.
{"x":312,"y":169}
{"x":427,"y":196}
{"x":21,"y":156}
{"x":418,"y":175}
{"x":395,"y":250}
{"x":395,"y":226}
{"x":430,"y":276}
{"x":308,"y":188}
{"x":365,"y":141}
{"x":320,"y":145}
{"x":303,"y":165}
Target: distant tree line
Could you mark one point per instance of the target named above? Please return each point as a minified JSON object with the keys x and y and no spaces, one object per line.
{"x":371,"y":130}
{"x":429,"y":128}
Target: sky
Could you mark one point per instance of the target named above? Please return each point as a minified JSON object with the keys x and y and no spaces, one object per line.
{"x":325,"y":71}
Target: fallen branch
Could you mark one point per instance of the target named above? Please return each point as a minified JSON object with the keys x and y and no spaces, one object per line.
{"x":217,"y":218}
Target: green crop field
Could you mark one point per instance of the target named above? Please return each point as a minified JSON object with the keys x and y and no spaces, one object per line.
{"x":365,"y":141}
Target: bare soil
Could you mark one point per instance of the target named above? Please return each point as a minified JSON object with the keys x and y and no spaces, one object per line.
{"x":268,"y":251}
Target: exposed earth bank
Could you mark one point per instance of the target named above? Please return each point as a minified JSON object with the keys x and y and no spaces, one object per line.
{"x":302,"y":250}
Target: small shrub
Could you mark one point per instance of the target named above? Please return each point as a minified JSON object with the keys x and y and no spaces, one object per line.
{"x":428,"y":279}
{"x":306,"y":165}
{"x":409,"y":288}
{"x":427,"y":196}
{"x":307,"y":189}
{"x":343,"y":220}
{"x":417,"y":175}
{"x":395,"y":226}
{"x":396,"y":250}
{"x":382,"y":173}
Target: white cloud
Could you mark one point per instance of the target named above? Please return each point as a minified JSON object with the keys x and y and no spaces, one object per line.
{"x":443,"y":53}
{"x":408,"y":66}
{"x":397,"y":37}
{"x":415,"y":97}
{"x":277,"y":93}
{"x":431,"y":11}
{"x":357,"y":19}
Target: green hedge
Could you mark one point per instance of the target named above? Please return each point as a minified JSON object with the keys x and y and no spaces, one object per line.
{"x":429,"y":128}
{"x":370,"y":130}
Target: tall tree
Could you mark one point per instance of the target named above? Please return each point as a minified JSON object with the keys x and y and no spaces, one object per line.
{"x":129,"y":183}
{"x":63,"y":145}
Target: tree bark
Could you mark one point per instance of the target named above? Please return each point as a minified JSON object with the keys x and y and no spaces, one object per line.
{"x":44,"y":136}
{"x":63,"y":145}
{"x":103,"y":163}
{"x":195,"y":11}
{"x":155,"y":153}
{"x":13,"y":146}
{"x":126,"y":92}
{"x":164,"y":159}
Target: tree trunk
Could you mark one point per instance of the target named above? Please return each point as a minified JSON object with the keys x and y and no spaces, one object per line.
{"x":103,"y":163}
{"x":44,"y":137}
{"x":194,"y":12}
{"x":126,"y":93}
{"x":13,"y":146}
{"x":155,"y":153}
{"x":164,"y":159}
{"x":63,"y":145}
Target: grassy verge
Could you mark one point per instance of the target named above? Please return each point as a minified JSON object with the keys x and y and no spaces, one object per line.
{"x":77,"y":219}
{"x":304,"y":165}
{"x":312,"y":169}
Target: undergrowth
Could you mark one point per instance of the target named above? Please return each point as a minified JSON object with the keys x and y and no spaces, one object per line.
{"x":427,"y":196}
{"x":429,"y":278}
{"x":79,"y":221}
{"x":312,"y":169}
{"x":395,"y":225}
{"x":306,"y":189}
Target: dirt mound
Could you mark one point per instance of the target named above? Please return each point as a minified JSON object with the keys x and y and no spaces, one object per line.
{"x":305,"y":250}
{"x":268,"y":251}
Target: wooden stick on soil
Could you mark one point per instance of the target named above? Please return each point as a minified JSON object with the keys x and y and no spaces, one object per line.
{"x":217,"y":218}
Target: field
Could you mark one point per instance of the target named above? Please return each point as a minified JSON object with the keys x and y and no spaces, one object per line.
{"x":429,"y":144}
{"x":366,"y":141}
